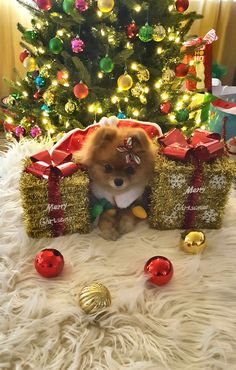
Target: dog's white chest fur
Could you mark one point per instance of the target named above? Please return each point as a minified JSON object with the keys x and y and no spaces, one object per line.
{"x":122,"y":200}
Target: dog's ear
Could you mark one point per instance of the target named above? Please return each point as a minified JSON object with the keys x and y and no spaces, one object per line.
{"x":140,"y":139}
{"x":93,"y":143}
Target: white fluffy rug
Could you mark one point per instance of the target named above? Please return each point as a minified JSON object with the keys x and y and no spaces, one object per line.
{"x":189,"y":324}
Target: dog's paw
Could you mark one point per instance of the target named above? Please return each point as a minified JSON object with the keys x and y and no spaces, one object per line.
{"x":109,"y":234}
{"x":127,"y":222}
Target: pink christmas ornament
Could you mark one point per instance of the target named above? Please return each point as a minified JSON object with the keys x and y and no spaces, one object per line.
{"x":77,"y":45}
{"x":19,"y":131}
{"x":81,"y":5}
{"x":35,"y":131}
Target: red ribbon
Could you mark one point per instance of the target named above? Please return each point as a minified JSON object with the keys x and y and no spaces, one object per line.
{"x":52,"y":167}
{"x":203,"y":146}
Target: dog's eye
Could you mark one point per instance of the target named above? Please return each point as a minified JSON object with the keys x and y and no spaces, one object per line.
{"x":108,"y":168}
{"x":129,"y":170}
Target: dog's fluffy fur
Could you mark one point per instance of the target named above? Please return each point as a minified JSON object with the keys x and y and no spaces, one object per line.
{"x":106,"y":165}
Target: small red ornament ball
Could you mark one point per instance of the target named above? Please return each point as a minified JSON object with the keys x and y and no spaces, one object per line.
{"x":159,"y":269}
{"x":165,"y":107}
{"x":44,"y":4}
{"x":131,"y":30}
{"x":181,"y":70}
{"x":49,"y":262}
{"x":181,"y":5}
{"x":24,"y":54}
{"x":81,"y":90}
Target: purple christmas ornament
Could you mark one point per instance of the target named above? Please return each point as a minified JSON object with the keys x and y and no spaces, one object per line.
{"x":81,"y":5}
{"x":35,"y":131}
{"x":77,"y":45}
{"x":19,"y":131}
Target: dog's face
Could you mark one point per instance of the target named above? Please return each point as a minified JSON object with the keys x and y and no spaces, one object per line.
{"x":111,"y":165}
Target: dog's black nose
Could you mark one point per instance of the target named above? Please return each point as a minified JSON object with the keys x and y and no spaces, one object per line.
{"x":118,"y":182}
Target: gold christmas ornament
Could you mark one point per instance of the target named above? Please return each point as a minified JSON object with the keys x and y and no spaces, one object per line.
{"x":139,"y":212}
{"x":48,"y":97}
{"x":70,"y":107}
{"x":44,"y":72}
{"x":137,"y":90}
{"x":94,"y":298}
{"x":143,"y":73}
{"x":105,"y":6}
{"x":159,"y":33}
{"x":193,"y":241}
{"x":30,"y":64}
{"x":143,"y":99}
{"x":168,"y":75}
{"x":125,"y":82}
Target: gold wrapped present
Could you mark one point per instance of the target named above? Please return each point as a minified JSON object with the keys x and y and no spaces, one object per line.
{"x":55,"y":195}
{"x":191,"y":183}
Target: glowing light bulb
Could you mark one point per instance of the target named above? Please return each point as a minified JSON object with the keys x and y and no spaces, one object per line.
{"x":170,"y":8}
{"x":165,"y":96}
{"x":203,"y":127}
{"x":171,"y":37}
{"x":9,"y":119}
{"x":184,"y":128}
{"x":134,"y":66}
{"x":177,"y":40}
{"x":18,"y":83}
{"x":158,"y":84}
{"x":191,"y":63}
{"x":114,"y":99}
{"x":103,"y":33}
{"x":172,"y":117}
{"x":99,"y":14}
{"x":38,"y":26}
{"x":60,"y":32}
{"x":99,"y":110}
{"x":54,"y":82}
{"x":146,"y":90}
{"x":135,"y":113}
{"x":159,"y":50}
{"x":41,"y":50}
{"x":198,"y":121}
{"x":67,"y":124}
{"x":186,"y":97}
{"x":25,"y":93}
{"x":66,"y":84}
{"x":179,"y":105}
{"x":91,"y":108}
{"x":137,"y":8}
{"x":126,"y":100}
{"x":45,"y":121}
{"x":129,"y":45}
{"x":48,"y":66}
{"x":100,"y":75}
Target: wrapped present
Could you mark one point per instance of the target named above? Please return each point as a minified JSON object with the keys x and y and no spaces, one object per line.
{"x":54,"y":194}
{"x":222,"y":119}
{"x":199,"y":57}
{"x":192,"y":179}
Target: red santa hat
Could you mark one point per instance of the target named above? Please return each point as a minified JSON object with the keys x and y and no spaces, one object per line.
{"x":73,"y":140}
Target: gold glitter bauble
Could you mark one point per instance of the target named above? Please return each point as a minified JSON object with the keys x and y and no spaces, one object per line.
{"x":70,"y":107}
{"x":48,"y":97}
{"x":94,"y":298}
{"x":125,"y":82}
{"x":193,"y":241}
{"x":143,"y":74}
{"x":105,"y":6}
{"x":168,"y":75}
{"x":137,"y":90}
{"x":44,"y":72}
{"x":159,"y":33}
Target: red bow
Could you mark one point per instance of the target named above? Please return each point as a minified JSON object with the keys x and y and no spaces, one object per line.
{"x":203,"y":145}
{"x":45,"y":163}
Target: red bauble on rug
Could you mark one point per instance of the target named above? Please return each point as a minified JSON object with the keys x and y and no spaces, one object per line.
{"x":49,"y":262}
{"x":159,"y":269}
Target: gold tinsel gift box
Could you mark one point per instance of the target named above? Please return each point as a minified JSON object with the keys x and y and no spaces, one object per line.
{"x":191,"y":183}
{"x":54,"y":195}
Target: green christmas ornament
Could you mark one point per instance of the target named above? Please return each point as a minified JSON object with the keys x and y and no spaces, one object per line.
{"x":98,"y":207}
{"x":159,"y":33}
{"x":68,"y":6}
{"x":106,"y":65}
{"x":55,"y":45}
{"x":145,"y":33}
{"x":30,"y":36}
{"x":182,"y":115}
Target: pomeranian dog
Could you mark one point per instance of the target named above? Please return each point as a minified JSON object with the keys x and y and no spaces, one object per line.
{"x":120,"y":163}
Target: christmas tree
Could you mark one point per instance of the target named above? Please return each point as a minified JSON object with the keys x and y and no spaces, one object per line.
{"x":86,"y":59}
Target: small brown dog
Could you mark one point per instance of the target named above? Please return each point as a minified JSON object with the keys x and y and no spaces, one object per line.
{"x":120,"y":163}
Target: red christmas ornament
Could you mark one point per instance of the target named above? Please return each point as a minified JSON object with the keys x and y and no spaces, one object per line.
{"x":131,"y":30}
{"x":181,"y":70}
{"x":37,"y":95}
{"x":81,"y":90}
{"x":44,"y":4}
{"x":24,"y":54}
{"x":159,"y":269}
{"x":165,"y":107}
{"x":181,"y":5}
{"x":62,"y":76}
{"x":49,"y":262}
